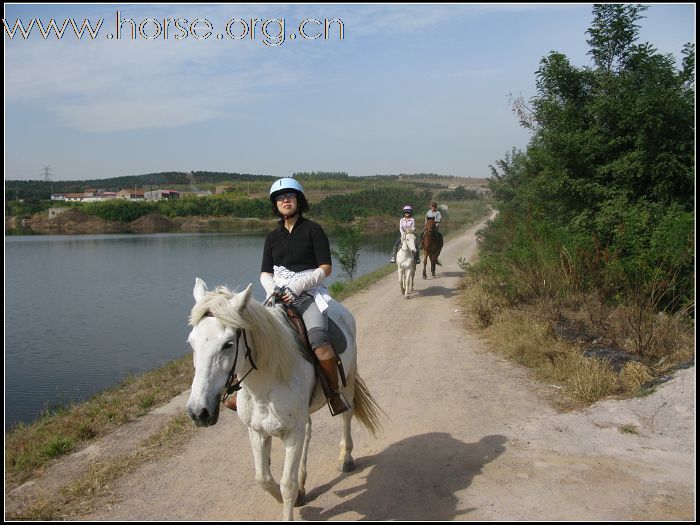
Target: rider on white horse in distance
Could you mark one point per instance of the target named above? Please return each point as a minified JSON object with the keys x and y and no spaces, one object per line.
{"x":296,"y":260}
{"x":406,"y":224}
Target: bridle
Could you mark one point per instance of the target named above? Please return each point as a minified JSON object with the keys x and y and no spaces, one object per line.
{"x":232,"y":383}
{"x":405,"y":243}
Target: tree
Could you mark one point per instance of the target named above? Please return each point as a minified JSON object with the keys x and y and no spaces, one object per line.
{"x":623,"y":128}
{"x":613,"y":31}
{"x":348,"y":252}
{"x":609,"y":171}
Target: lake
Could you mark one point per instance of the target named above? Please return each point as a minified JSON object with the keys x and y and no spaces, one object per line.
{"x":84,"y":311}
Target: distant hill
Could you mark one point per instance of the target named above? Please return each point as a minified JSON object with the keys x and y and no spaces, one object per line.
{"x":40,"y":189}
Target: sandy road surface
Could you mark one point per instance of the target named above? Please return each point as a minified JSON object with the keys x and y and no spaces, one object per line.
{"x":468,"y":437}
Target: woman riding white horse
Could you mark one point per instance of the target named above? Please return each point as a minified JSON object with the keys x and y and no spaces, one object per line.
{"x":406,"y":261}
{"x":296,"y":260}
{"x":406,"y":223}
{"x":235,"y":336}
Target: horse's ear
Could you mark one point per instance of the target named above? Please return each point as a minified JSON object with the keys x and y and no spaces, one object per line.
{"x":200,"y":288}
{"x":243,"y":297}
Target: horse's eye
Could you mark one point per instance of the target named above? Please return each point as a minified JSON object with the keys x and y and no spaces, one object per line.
{"x":227,"y":345}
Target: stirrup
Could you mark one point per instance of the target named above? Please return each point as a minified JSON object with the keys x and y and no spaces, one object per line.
{"x":337,"y":403}
{"x":392,"y":260}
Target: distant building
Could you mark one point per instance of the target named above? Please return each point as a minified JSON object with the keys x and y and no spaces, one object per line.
{"x":157,"y":195}
{"x":131,"y":195}
{"x":75,"y":197}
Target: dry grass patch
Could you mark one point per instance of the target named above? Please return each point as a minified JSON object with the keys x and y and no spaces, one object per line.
{"x":550,"y":338}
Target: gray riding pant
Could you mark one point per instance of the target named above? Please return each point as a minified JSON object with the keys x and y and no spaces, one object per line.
{"x":316,"y":322}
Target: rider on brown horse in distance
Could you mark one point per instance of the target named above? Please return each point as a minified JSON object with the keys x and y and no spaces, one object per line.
{"x":434,"y":214}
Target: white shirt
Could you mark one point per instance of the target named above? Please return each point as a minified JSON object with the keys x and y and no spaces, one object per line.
{"x":406,"y":224}
{"x":435,"y":214}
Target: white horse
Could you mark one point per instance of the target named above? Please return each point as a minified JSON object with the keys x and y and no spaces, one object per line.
{"x":406,"y":262}
{"x":233,"y":334}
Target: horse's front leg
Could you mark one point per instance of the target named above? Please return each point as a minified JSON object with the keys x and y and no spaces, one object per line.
{"x":401,"y":279}
{"x":262,"y":446}
{"x":404,"y":283}
{"x":345,"y":461}
{"x":289,"y":484}
{"x":302,"y":465}
{"x":425,"y":262}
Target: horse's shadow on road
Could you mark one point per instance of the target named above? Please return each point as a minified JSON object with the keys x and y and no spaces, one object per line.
{"x":433,"y":291}
{"x":414,"y":479}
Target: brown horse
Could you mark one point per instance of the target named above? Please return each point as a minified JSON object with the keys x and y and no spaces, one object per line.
{"x":432,"y":246}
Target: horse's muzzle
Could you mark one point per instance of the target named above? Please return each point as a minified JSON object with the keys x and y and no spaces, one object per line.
{"x":203,"y":417}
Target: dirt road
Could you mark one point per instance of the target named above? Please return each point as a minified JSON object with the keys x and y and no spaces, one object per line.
{"x":468,"y":436}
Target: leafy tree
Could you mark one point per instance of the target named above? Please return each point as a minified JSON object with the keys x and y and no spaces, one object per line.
{"x":348,"y":252}
{"x":612,"y":156}
{"x":613,"y":31}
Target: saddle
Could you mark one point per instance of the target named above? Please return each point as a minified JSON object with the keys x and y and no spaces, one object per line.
{"x":338,"y":343}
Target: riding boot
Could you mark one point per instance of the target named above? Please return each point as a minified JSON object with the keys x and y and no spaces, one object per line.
{"x":231,"y":402}
{"x":336,"y":400}
{"x":393,"y":255}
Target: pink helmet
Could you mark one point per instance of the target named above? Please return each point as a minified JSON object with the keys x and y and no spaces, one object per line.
{"x":408,"y":208}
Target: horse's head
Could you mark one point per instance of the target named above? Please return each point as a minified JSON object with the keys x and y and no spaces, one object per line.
{"x":408,"y":240}
{"x":429,"y":224}
{"x":233,"y":334}
{"x":219,"y":350}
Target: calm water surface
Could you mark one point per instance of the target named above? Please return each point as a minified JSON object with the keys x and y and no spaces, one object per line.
{"x":82,"y":312}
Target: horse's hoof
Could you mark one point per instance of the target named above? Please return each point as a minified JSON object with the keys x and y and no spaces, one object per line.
{"x":301,"y":498}
{"x":347,"y":466}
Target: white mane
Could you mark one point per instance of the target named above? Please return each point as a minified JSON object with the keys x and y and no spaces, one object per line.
{"x":267,"y":330}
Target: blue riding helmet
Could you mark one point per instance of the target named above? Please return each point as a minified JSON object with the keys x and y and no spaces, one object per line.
{"x":408,"y":208}
{"x":283,"y":186}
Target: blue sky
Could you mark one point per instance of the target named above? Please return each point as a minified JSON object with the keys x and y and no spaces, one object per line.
{"x":410,"y":88}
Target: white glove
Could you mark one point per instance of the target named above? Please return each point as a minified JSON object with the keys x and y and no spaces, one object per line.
{"x":268,"y":283}
{"x":306,"y":282}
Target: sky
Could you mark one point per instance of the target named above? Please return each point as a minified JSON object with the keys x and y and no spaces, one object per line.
{"x":409,"y":88}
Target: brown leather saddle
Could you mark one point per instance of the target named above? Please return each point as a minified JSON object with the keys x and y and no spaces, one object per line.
{"x":338,"y":342}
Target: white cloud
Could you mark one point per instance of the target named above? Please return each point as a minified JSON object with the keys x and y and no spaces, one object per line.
{"x":121,"y":85}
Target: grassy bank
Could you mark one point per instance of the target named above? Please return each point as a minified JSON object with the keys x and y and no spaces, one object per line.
{"x":60,"y":432}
